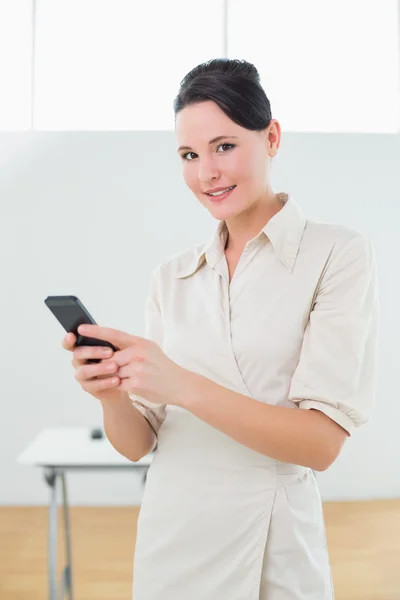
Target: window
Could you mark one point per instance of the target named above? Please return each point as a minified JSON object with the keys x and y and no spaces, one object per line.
{"x":15,"y":64}
{"x":326,"y":66}
{"x":117,"y":64}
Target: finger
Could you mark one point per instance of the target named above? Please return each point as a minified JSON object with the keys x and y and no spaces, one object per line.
{"x":82,"y":354}
{"x":85,"y":352}
{"x":100,"y":384}
{"x":89,"y":371}
{"x":120,"y":339}
{"x":127,"y":371}
{"x":69,"y":341}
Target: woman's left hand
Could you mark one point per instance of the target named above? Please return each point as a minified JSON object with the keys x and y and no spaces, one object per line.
{"x":143,"y":368}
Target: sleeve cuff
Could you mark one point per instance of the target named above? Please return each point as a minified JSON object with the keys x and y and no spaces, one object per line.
{"x":153,"y":421}
{"x":333,"y":413}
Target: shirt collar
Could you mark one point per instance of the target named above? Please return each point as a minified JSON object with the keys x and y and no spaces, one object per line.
{"x":284,"y":230}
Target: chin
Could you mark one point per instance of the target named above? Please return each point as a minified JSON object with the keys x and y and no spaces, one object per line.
{"x":225,"y":212}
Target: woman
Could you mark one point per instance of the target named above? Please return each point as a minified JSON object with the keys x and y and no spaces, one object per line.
{"x":269,"y":340}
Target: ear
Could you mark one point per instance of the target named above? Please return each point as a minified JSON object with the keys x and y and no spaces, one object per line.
{"x":274,"y":137}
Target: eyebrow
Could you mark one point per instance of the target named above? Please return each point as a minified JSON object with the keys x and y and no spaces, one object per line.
{"x":216,"y":139}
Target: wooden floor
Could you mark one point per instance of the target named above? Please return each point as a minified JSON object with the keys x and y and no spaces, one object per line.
{"x":363,"y":540}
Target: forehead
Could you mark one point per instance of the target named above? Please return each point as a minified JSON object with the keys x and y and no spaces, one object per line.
{"x":204,"y":121}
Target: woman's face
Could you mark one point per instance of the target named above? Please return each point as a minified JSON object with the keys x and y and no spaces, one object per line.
{"x":239,"y":157}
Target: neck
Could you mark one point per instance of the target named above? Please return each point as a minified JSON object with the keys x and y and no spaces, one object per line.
{"x":247,"y":225}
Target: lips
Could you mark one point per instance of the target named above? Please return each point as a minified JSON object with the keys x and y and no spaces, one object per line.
{"x":220,"y":189}
{"x":221,"y":197}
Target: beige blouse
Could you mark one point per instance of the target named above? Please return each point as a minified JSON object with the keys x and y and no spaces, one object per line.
{"x":297,"y":326}
{"x":304,"y":298}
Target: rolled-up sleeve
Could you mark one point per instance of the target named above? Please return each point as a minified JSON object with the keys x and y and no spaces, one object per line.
{"x":154,"y":413}
{"x":337,"y":369}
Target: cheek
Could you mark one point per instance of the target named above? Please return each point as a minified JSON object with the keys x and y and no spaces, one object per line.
{"x":192,"y":182}
{"x":189,"y":176}
{"x":253,"y":170}
{"x":240,"y":169}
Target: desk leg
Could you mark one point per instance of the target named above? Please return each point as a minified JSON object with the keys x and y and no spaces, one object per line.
{"x":51,"y":478}
{"x":67,"y":536}
{"x":58,"y":591}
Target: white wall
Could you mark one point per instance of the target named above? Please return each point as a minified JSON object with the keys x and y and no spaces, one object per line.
{"x":91,"y":214}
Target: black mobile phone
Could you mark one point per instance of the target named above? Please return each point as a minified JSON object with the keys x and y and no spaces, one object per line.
{"x":71,"y":313}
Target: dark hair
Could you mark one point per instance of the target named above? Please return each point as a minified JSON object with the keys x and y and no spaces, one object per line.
{"x":234,"y":85}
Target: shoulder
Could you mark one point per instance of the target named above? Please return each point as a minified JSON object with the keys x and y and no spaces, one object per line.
{"x":336,"y":232}
{"x":338,"y":239}
{"x":181,"y":263}
{"x":347,"y":258}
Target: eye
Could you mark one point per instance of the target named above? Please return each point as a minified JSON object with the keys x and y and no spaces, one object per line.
{"x":230,"y":147}
{"x":185,"y":155}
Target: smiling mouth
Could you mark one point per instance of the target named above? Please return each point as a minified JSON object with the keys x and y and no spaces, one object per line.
{"x":221,"y":195}
{"x":221,"y":192}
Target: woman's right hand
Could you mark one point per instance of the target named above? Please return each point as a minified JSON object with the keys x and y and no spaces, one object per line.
{"x":97,"y":378}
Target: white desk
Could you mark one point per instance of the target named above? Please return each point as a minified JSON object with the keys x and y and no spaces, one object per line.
{"x":56,"y":451}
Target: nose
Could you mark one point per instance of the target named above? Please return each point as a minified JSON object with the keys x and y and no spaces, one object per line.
{"x":207,"y":170}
